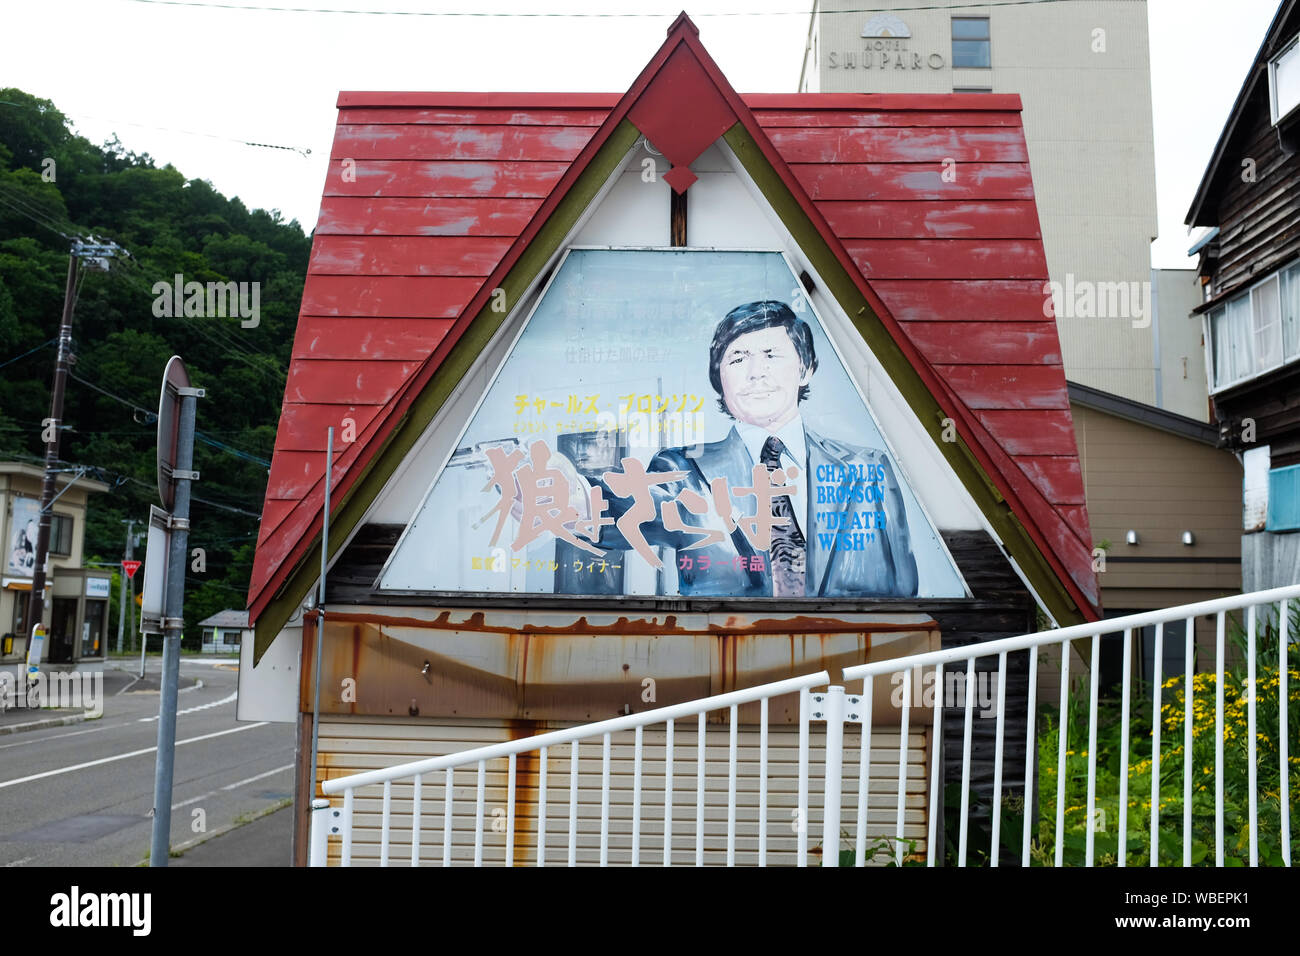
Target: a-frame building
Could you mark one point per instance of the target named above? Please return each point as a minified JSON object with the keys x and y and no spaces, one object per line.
{"x":478,"y":257}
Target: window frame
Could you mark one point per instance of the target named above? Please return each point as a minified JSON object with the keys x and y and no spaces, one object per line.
{"x":1247,"y":296}
{"x":1292,"y":47}
{"x":986,"y":40}
{"x":55,"y":517}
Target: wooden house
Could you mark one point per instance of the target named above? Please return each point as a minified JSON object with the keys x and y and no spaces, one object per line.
{"x":1249,"y":201}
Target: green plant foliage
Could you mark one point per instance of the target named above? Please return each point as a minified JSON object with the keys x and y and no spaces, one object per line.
{"x":1173,"y":760}
{"x":169,"y":224}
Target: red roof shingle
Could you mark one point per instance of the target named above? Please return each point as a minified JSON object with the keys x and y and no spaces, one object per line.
{"x":454,"y":184}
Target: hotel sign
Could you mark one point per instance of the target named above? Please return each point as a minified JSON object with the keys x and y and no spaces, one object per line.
{"x":886,"y":44}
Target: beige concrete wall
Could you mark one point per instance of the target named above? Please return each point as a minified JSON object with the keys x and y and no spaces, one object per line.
{"x":1088,"y":124}
{"x":1181,"y":343}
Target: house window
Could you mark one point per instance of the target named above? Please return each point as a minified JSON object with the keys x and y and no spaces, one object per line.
{"x":61,"y":535}
{"x":970,"y":42}
{"x":1284,"y":499}
{"x":1284,"y":80}
{"x":1256,"y":331}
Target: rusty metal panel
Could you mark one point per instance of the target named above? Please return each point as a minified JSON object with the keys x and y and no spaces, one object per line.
{"x":566,"y":666}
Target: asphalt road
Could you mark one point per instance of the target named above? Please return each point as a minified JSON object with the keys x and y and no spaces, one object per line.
{"x":81,"y":795}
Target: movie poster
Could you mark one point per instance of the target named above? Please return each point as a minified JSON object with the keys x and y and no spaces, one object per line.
{"x":20,"y":555}
{"x":673,"y":423}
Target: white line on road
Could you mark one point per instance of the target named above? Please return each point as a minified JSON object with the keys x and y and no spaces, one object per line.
{"x":190,"y":710}
{"x":232,"y":786}
{"x":260,"y":776}
{"x":133,"y":753}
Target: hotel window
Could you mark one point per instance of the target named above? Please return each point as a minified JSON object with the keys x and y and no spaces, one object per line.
{"x":61,"y":535}
{"x":1257,"y":331}
{"x":1284,"y":80}
{"x":970,"y":42}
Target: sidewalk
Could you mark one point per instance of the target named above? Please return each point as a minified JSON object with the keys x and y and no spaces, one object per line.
{"x":18,"y":718}
{"x":264,"y":842}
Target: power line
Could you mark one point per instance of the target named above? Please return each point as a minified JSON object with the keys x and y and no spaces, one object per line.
{"x":301,"y":150}
{"x":28,"y":352}
{"x":25,"y":209}
{"x":483,"y":14}
{"x":151,"y":417}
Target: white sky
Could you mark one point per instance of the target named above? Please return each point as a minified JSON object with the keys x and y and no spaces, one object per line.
{"x":125,"y":66}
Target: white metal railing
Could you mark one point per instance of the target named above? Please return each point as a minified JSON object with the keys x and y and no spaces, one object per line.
{"x":328,"y":821}
{"x":1218,"y":609}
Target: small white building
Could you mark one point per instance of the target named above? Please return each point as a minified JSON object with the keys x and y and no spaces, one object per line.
{"x":225,"y":631}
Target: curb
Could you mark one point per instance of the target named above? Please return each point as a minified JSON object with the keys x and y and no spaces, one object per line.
{"x":42,"y":724}
{"x":181,"y":848}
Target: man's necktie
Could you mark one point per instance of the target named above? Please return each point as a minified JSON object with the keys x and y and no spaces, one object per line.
{"x":789,"y":552}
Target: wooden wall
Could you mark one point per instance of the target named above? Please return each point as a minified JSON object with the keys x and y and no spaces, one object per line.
{"x":1259,"y":221}
{"x":1001,"y":607}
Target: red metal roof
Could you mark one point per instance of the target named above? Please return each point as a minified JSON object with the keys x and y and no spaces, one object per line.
{"x":449,"y":189}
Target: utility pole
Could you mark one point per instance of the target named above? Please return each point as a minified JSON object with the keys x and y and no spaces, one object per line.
{"x":52,"y":426}
{"x":97,"y":255}
{"x":121,"y":599}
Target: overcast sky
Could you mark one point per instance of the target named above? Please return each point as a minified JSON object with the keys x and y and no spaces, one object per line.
{"x":211,"y":77}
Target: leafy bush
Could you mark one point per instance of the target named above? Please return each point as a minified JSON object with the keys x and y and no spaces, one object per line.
{"x":1169,"y":795}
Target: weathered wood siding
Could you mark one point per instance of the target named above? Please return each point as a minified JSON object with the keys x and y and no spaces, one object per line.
{"x":351,"y":745}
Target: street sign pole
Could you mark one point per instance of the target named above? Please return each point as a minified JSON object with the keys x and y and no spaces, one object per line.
{"x":176,"y":463}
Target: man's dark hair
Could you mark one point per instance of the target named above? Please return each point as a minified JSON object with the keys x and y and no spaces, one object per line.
{"x":751,"y":317}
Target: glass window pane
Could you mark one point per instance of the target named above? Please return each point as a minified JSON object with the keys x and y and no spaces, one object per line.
{"x":1240,"y":341}
{"x":1291,"y":313}
{"x":1267,"y":326}
{"x":970,"y":28}
{"x":970,"y":53}
{"x":1286,"y":77}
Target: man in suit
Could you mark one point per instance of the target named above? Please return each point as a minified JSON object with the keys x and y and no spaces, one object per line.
{"x":840,"y":531}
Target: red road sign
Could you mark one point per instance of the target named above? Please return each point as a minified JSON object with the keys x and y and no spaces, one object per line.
{"x":130,"y":567}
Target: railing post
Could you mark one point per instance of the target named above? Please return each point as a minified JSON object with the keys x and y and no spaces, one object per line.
{"x":324,"y":821}
{"x":834,"y":714}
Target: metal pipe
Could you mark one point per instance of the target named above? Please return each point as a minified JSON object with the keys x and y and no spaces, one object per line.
{"x":1127,"y":671}
{"x":997,"y":759}
{"x":574,"y":734}
{"x":965,"y":761}
{"x":178,"y":553}
{"x":902,"y":765}
{"x":731,"y":788}
{"x":1156,"y":694}
{"x":318,"y":643}
{"x":834,"y":774}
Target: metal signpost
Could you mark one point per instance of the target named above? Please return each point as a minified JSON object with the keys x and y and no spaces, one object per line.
{"x":176,"y":412}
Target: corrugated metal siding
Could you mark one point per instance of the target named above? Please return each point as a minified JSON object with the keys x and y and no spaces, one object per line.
{"x":352,"y":745}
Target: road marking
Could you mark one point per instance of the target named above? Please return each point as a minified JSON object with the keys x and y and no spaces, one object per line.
{"x":92,"y":730}
{"x":269,"y":773}
{"x":26,"y":859}
{"x":190,"y":710}
{"x":133,"y":753}
{"x":232,"y":786}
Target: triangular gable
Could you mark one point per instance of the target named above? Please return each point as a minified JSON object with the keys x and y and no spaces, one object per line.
{"x":699,"y":357}
{"x":397,"y":388}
